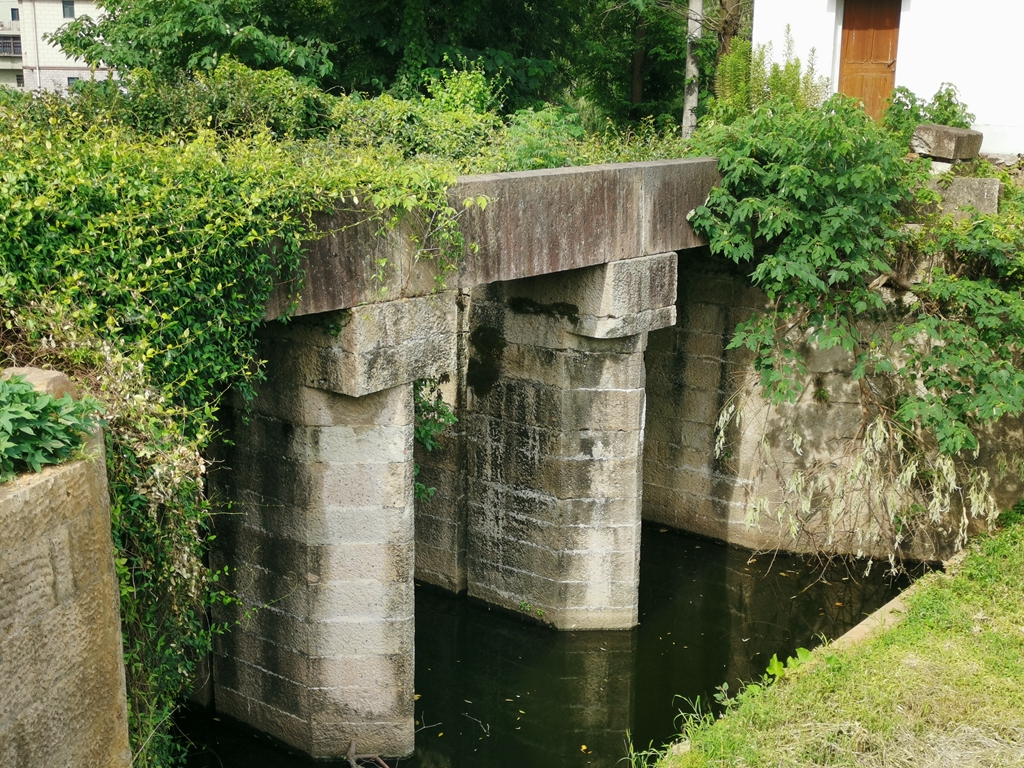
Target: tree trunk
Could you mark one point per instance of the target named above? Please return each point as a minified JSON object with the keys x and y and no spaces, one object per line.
{"x":636,"y":94}
{"x":696,"y":17}
{"x":728,"y":26}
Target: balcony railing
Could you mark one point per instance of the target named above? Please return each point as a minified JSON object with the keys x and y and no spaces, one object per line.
{"x":10,"y":26}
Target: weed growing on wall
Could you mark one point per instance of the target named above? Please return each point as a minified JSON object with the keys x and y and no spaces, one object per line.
{"x":37,"y":429}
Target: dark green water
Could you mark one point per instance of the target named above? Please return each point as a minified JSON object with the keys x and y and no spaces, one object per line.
{"x":495,"y":692}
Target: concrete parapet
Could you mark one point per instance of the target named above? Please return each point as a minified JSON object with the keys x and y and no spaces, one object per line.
{"x":62,"y":685}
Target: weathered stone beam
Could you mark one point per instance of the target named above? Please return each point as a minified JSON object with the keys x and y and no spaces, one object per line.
{"x":537,"y":222}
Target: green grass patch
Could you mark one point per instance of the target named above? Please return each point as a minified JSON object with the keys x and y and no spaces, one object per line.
{"x":944,"y":687}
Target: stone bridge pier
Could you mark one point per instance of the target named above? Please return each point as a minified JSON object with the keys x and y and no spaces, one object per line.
{"x":319,"y":536}
{"x":554,"y":424}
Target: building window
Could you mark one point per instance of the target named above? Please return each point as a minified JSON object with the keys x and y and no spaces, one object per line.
{"x":15,"y":16}
{"x":10,"y":46}
{"x":72,"y":81}
{"x":69,"y":9}
{"x":19,"y":80}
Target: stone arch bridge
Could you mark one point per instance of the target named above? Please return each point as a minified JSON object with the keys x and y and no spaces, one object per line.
{"x":583,"y":348}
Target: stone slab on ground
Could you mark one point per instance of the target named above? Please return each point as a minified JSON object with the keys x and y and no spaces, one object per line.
{"x":946,"y":143}
{"x":961,"y":195}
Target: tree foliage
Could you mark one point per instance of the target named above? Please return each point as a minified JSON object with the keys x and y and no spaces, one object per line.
{"x":627,"y":58}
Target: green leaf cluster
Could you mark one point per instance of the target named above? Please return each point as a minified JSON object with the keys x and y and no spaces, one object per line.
{"x":810,"y":200}
{"x":747,"y":78}
{"x":905,"y":111}
{"x":37,"y":429}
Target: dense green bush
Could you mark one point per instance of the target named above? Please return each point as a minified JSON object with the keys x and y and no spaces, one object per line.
{"x":810,"y":199}
{"x":905,"y":111}
{"x":814,"y":202}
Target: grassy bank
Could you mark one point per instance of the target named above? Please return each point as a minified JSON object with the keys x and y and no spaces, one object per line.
{"x":945,"y":687}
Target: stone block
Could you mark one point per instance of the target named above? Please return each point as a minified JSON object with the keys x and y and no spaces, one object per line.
{"x":335,"y":444}
{"x":946,"y":143}
{"x":611,"y":290}
{"x":630,"y":325}
{"x":281,"y":481}
{"x":963,"y":195}
{"x":53,"y":383}
{"x":673,"y":188}
{"x":62,"y":690}
{"x":366,"y":349}
{"x":572,"y":367}
{"x":621,"y":298}
{"x":705,"y":318}
{"x":282,"y":398}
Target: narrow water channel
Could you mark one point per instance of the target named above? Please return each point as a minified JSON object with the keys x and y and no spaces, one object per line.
{"x":495,"y":692}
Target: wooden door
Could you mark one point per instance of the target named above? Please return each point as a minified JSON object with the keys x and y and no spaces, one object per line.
{"x":867,"y":69}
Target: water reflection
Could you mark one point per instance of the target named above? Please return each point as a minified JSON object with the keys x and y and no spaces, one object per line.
{"x":496,"y":692}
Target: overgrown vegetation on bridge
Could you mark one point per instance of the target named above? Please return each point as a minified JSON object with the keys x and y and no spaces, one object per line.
{"x":143,"y":226}
{"x":142,"y":229}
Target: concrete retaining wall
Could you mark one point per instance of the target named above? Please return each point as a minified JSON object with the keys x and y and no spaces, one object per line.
{"x":691,"y":377}
{"x":62,"y":689}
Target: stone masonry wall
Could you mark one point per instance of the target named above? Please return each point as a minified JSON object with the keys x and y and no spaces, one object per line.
{"x":62,"y":689}
{"x":319,"y":541}
{"x":691,"y":377}
{"x":538,"y":486}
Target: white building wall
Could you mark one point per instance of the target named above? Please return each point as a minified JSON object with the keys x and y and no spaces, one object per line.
{"x":45,"y":65}
{"x":10,"y":66}
{"x":976,"y":48}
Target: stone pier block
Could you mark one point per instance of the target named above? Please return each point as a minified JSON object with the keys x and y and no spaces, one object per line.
{"x":366,"y":349}
{"x":319,"y":538}
{"x":554,"y":420}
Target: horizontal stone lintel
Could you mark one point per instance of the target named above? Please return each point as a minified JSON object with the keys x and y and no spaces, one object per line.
{"x":628,"y":325}
{"x":537,"y":222}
